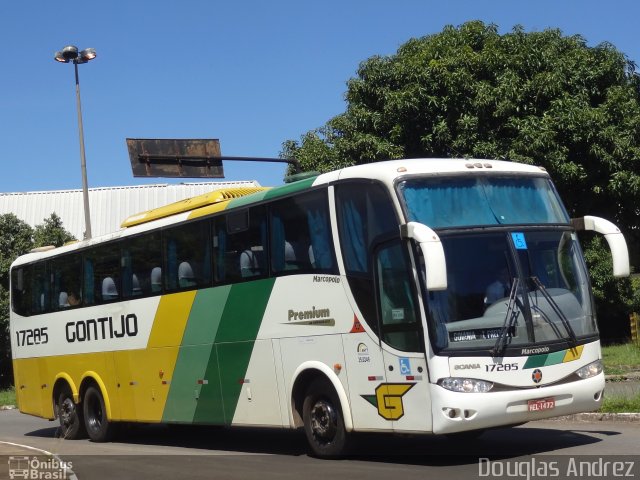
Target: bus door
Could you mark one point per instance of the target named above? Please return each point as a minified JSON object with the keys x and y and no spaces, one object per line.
{"x":403,"y":398}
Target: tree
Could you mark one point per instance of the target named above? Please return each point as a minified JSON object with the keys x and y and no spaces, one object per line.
{"x":17,"y":238}
{"x":614,"y":298}
{"x":538,"y":98}
{"x":51,"y":232}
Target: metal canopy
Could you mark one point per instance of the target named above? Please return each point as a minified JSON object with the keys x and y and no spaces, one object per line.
{"x":191,"y":158}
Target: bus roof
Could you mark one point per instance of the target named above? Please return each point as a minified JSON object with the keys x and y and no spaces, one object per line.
{"x":388,"y":171}
{"x":219,"y":200}
{"x":189,"y":204}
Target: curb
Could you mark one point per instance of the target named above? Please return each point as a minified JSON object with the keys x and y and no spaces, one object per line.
{"x":7,"y":407}
{"x":596,"y":417}
{"x":625,"y":377}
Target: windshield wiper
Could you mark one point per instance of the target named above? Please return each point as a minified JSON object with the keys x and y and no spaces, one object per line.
{"x":556,"y":309}
{"x":509,"y":320}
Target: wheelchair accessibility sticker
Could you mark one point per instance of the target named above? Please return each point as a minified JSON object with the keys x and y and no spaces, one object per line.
{"x":405,"y":366}
{"x":519,"y":240}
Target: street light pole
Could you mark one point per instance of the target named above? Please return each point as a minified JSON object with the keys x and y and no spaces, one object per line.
{"x":70,"y":53}
{"x":83,"y":162}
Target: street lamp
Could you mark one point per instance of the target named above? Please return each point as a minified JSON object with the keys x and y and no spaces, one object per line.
{"x":66,"y":55}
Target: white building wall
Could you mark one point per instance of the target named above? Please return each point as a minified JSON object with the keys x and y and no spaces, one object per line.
{"x":109,"y":206}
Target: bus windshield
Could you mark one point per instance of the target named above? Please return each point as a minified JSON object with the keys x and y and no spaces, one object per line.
{"x":511,"y":289}
{"x":451,"y":202}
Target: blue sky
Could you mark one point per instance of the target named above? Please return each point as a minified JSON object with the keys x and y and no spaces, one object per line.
{"x":251,"y":73}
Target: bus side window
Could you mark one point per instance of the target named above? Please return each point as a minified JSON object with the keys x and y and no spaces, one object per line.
{"x":365,"y":216}
{"x":103,"y":272}
{"x":240,"y":245}
{"x":66,"y":275}
{"x":40,"y":288}
{"x":140,"y":257}
{"x":21,"y":290}
{"x":187,"y":256}
{"x":301,"y":234}
{"x":399,"y":325}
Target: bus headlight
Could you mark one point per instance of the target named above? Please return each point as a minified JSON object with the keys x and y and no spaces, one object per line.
{"x":466,"y":385}
{"x":591,"y":370}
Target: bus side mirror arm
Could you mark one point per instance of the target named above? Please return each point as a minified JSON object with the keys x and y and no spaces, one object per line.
{"x":433,"y":252}
{"x":614,"y":238}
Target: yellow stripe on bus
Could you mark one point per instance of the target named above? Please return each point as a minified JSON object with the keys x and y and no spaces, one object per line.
{"x":573,"y":354}
{"x":171,"y":319}
{"x":190,"y":204}
{"x":145,"y":375}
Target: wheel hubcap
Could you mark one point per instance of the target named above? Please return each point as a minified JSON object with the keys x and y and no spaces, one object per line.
{"x":324,"y":421}
{"x":67,"y":412}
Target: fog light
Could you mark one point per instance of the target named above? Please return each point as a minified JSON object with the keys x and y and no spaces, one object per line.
{"x":466,"y":385}
{"x":591,"y":370}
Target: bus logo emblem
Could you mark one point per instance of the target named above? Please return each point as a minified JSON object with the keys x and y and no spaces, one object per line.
{"x":388,"y":399}
{"x":536,"y":376}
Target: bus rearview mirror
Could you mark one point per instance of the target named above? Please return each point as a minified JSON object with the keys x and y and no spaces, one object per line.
{"x":432,"y":251}
{"x":613,"y":236}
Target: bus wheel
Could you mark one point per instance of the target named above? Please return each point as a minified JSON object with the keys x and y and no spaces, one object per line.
{"x":70,"y":416}
{"x":323,"y":421}
{"x":95,"y":416}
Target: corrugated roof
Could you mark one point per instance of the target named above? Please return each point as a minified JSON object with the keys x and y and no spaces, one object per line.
{"x":109,"y":205}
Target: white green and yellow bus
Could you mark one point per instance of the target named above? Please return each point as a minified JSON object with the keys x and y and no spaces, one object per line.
{"x":429,"y":296}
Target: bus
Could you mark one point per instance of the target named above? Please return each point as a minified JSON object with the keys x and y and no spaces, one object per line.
{"x":423,"y":296}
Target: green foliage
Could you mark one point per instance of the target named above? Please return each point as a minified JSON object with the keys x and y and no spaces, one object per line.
{"x":613,"y":296}
{"x":635,"y":286}
{"x":620,"y":359}
{"x":51,"y":232}
{"x":620,"y":404}
{"x":17,"y":238}
{"x":538,"y":98}
{"x":7,"y":397}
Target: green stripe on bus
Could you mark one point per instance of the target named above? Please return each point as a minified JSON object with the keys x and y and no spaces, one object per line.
{"x":244,"y":310}
{"x":240,"y":318}
{"x":209,"y":407}
{"x":555,"y":357}
{"x":186,"y":394}
{"x":545,"y":360}
{"x":247,"y":200}
{"x":535,"y":361}
{"x":272,"y":193}
{"x":194,"y":359}
{"x":290,"y":188}
{"x":206,"y":315}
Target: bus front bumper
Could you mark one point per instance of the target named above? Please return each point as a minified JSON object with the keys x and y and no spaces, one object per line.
{"x":458,"y":412}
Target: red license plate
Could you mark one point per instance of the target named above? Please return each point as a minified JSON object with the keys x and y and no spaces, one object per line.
{"x":542,"y":404}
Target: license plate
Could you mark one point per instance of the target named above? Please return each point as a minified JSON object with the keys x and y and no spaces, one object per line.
{"x":542,"y":404}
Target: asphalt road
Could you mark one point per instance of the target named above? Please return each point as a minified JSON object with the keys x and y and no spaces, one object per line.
{"x":159,"y":452}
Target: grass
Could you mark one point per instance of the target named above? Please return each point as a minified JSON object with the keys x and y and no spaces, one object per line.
{"x":620,"y":404}
{"x":7,"y":397}
{"x":621,"y":359}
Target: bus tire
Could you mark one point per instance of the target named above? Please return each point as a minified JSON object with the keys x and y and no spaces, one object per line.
{"x":70,"y":416}
{"x":323,"y":420}
{"x":96,"y":422}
